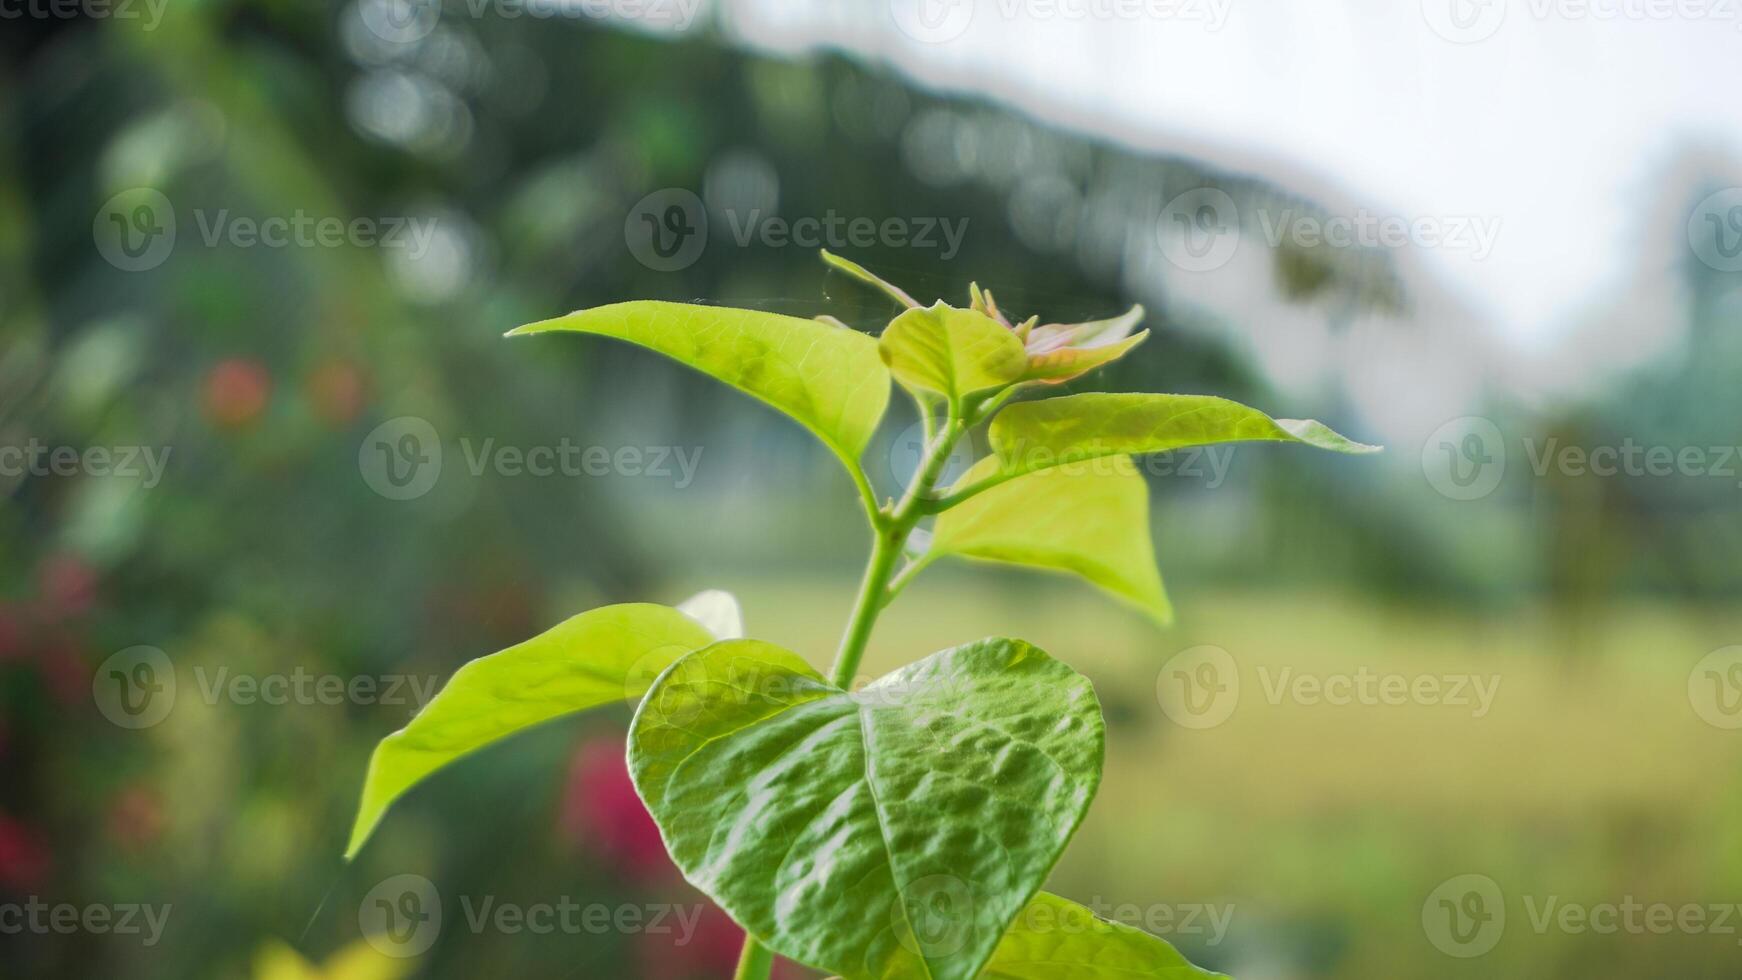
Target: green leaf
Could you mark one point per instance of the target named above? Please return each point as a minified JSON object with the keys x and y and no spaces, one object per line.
{"x":1054,"y":938}
{"x":1090,"y":517}
{"x":1034,"y":435}
{"x":1058,"y":352}
{"x":951,"y":352}
{"x":831,"y":380}
{"x":601,"y":656}
{"x":832,"y":825}
{"x":1065,"y":363}
{"x":865,"y":276}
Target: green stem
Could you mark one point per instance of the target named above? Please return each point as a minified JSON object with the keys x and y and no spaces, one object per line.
{"x":890,"y":530}
{"x":755,"y":962}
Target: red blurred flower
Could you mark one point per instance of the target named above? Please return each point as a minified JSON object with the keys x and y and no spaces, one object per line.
{"x":335,"y":391}
{"x":64,"y":671}
{"x":24,"y":860}
{"x":602,"y":814}
{"x":11,"y":632}
{"x":136,"y":817}
{"x":236,"y":391}
{"x":68,"y":585}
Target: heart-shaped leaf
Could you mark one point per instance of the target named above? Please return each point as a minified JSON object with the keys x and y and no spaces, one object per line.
{"x":1054,"y":938}
{"x":1034,"y":435}
{"x":831,"y":380}
{"x":951,"y":352}
{"x":1090,"y":517}
{"x":832,"y":825}
{"x":601,"y":656}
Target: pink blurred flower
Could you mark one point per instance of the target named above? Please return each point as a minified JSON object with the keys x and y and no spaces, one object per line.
{"x":602,"y":815}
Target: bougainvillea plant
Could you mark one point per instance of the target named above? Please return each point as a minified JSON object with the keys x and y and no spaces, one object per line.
{"x":901,"y":828}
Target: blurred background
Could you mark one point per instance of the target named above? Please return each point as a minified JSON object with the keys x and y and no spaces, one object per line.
{"x":1471,"y":708}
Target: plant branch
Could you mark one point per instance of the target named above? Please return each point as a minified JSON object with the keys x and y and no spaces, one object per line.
{"x":755,"y":962}
{"x":889,"y":536}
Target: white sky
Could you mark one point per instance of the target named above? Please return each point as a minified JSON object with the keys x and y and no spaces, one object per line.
{"x":1554,"y":118}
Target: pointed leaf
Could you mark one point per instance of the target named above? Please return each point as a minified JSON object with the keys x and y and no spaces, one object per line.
{"x":1089,"y":333}
{"x":1054,"y":938}
{"x":832,"y":825}
{"x":599,"y":657}
{"x":1063,"y":364}
{"x":951,"y":352}
{"x":1089,"y":517}
{"x":831,"y":380}
{"x":865,"y":276}
{"x":1034,"y":435}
